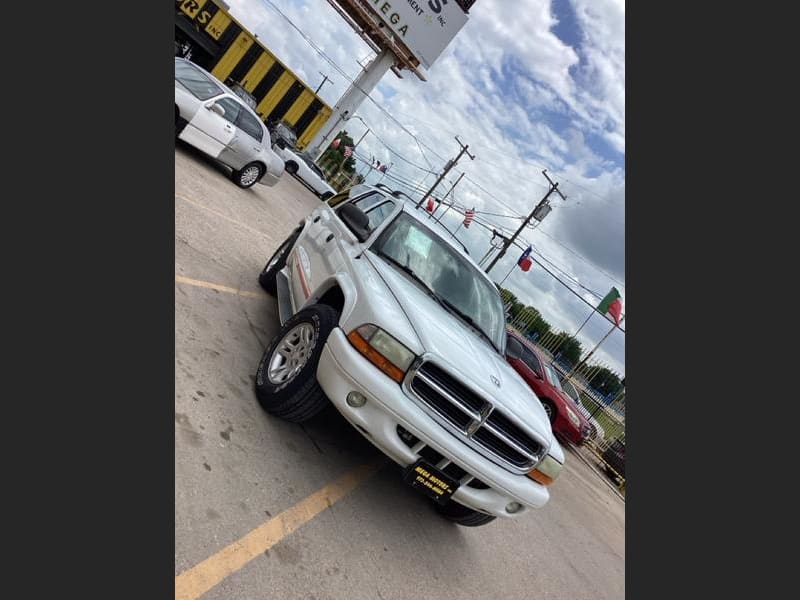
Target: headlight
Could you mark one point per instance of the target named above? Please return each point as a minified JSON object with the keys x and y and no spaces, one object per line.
{"x":573,"y":418}
{"x":546,"y":471}
{"x":382,"y":350}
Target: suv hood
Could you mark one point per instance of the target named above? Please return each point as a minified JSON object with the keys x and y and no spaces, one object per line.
{"x":454,"y":342}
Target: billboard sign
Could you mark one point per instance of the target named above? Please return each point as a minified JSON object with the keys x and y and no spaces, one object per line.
{"x":425,"y":27}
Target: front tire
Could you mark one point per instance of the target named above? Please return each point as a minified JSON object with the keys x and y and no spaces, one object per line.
{"x":461,"y":515}
{"x":248,"y":175}
{"x":267,"y":278}
{"x":286,"y":379}
{"x":291,"y":167}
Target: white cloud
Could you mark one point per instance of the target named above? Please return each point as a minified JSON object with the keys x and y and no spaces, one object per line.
{"x":498,"y":86}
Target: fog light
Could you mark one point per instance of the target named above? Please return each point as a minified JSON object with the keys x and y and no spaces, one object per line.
{"x":356,"y":399}
{"x":513,"y":507}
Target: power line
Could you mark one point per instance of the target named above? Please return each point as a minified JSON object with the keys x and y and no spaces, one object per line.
{"x":418,"y":189}
{"x":582,"y":258}
{"x":347,"y":77}
{"x":508,"y":155}
{"x":542,"y":204}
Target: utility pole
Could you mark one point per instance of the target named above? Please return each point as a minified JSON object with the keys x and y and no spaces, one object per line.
{"x":450,"y":164}
{"x":542,"y":202}
{"x":323,"y":82}
{"x":445,"y":198}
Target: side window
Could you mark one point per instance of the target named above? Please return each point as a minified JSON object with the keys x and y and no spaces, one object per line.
{"x":378,"y":214}
{"x":250,"y":125}
{"x":513,"y":348}
{"x":231,"y":107}
{"x":369,"y":201}
{"x":529,"y":358}
{"x":337,"y":199}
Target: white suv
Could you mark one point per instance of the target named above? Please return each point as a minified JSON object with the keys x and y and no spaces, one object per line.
{"x":385,"y":315}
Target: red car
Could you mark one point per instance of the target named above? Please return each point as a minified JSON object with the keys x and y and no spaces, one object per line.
{"x":565,"y":418}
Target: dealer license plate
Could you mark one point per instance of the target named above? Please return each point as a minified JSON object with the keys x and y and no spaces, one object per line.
{"x":430,"y":481}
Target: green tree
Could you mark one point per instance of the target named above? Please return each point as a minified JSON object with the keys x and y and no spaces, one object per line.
{"x":332,"y":157}
{"x":606,"y":382}
{"x":526,"y":316}
{"x":568,"y":347}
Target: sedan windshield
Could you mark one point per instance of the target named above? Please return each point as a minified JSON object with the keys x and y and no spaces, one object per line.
{"x":570,"y":390}
{"x":455,"y":282}
{"x":196,"y":81}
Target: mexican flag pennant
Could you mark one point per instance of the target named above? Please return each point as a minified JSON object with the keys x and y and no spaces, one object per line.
{"x":611,"y":305}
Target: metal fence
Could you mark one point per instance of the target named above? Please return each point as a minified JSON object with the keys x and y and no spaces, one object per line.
{"x":606,"y":413}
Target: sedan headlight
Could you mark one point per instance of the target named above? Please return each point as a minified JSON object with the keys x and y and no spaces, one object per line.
{"x":573,"y":418}
{"x":546,"y":471}
{"x":382,"y":350}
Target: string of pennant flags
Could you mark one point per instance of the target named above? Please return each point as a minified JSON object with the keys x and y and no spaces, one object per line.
{"x":469,"y":214}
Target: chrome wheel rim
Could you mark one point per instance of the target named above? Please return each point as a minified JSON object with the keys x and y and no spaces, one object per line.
{"x":249,"y":175}
{"x":291,"y":354}
{"x":548,"y":410}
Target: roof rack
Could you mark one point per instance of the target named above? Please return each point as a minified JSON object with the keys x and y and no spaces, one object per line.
{"x":398,"y":193}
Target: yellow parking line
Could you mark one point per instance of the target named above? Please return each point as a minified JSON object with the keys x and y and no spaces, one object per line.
{"x":196,"y":581}
{"x":219,"y":288}
{"x":220,"y":215}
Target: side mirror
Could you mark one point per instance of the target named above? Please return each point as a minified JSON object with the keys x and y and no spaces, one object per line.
{"x":216,"y":108}
{"x":356,"y":220}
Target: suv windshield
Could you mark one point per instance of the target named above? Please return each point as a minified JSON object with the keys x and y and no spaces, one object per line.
{"x":196,"y":81}
{"x":446,"y":272}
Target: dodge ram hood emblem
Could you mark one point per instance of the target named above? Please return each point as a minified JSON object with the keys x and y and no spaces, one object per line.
{"x":495,"y":380}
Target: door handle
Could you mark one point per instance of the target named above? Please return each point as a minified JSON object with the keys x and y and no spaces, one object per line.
{"x":329,"y":238}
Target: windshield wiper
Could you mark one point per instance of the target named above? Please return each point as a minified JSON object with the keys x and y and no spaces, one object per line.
{"x":467,"y":319}
{"x":410,"y":272}
{"x":444,"y":302}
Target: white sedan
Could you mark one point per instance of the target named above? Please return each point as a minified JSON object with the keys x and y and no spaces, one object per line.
{"x":303,"y":167}
{"x":212,"y":118}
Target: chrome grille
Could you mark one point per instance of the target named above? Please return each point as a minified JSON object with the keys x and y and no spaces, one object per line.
{"x":461,"y":409}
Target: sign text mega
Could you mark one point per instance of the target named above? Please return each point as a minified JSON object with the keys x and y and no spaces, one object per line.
{"x":426,"y":27}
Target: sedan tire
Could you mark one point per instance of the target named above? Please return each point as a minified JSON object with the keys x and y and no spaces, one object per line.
{"x":248,"y":175}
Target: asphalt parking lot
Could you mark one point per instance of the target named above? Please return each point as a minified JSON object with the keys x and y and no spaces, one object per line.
{"x":269,"y":509}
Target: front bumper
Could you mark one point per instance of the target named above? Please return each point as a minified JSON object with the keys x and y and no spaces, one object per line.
{"x":342,"y":369}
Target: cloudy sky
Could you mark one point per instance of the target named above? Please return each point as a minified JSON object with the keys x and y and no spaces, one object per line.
{"x":529,"y":84}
